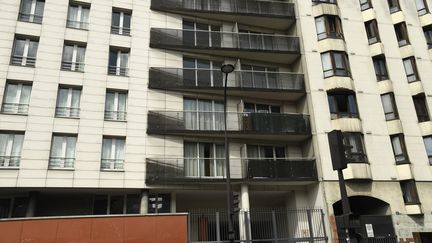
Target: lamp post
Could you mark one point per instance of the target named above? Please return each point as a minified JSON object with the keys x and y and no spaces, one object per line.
{"x":227,"y":69}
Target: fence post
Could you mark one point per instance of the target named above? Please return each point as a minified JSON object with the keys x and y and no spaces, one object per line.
{"x":218,"y":238}
{"x":323,"y":225}
{"x":275,"y":235}
{"x":247,"y":226}
{"x":189,"y":227}
{"x":309,"y":217}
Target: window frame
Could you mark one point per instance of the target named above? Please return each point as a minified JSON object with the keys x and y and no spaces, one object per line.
{"x":390,"y":115}
{"x":415,"y":73}
{"x":78,"y":23}
{"x":114,"y":163}
{"x":381,"y":63}
{"x":365,"y":4}
{"x":332,"y":27}
{"x":204,"y":161}
{"x":402,"y":35}
{"x":21,"y":108}
{"x":410,"y":185}
{"x":8,"y":160}
{"x":335,"y":71}
{"x":423,"y":113}
{"x":427,"y":30}
{"x":427,"y":141}
{"x":402,"y":157}
{"x":121,"y":29}
{"x":394,"y":6}
{"x":73,"y":64}
{"x":125,"y":209}
{"x":68,"y":111}
{"x":118,"y":70}
{"x":335,"y":112}
{"x":25,"y":59}
{"x":31,"y":17}
{"x":372,"y":31}
{"x":64,"y":162}
{"x":424,"y":10}
{"x":116,"y":114}
{"x":361,"y":155}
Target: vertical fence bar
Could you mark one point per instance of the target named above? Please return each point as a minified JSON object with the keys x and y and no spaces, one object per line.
{"x":323,"y":225}
{"x":275,"y":234}
{"x":189,"y":228}
{"x":247,"y":226}
{"x":218,"y":236}
{"x":309,"y":218}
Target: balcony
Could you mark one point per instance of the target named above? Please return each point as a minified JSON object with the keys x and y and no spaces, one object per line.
{"x":278,"y":15}
{"x":261,"y":47}
{"x":211,"y":170}
{"x":271,"y":126}
{"x":15,"y":108}
{"x":267,"y":85}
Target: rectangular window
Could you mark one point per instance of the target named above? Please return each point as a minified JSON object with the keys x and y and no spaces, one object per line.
{"x":394,"y":6}
{"x":409,"y":192}
{"x":335,"y":64}
{"x":356,"y":152}
{"x":428,"y":35}
{"x":78,"y":16}
{"x":24,"y":51}
{"x":402,"y":34}
{"x":200,"y":114}
{"x":13,"y":207}
{"x":380,"y":67}
{"x":202,"y":73}
{"x":118,"y":62}
{"x":422,"y":8}
{"x":343,"y":106}
{"x":159,"y":203}
{"x":115,"y":106}
{"x":204,"y":159}
{"x":205,"y":35}
{"x":261,"y":108}
{"x":121,"y":22}
{"x":73,"y":57}
{"x":266,"y":152}
{"x":62,"y":151}
{"x":10,"y":149}
{"x":31,"y":11}
{"x":116,"y":204}
{"x":372,"y":32}
{"x":113,"y":150}
{"x":411,"y":69}
{"x":428,"y":145}
{"x":365,"y":4}
{"x":68,"y":102}
{"x":329,"y":26}
{"x":399,"y":149}
{"x":389,"y":106}
{"x":421,"y":108}
{"x":16,"y":99}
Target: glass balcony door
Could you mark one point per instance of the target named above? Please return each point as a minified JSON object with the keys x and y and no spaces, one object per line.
{"x":258,"y":77}
{"x":201,"y":35}
{"x":204,"y":160}
{"x":203,"y":114}
{"x":202,"y":73}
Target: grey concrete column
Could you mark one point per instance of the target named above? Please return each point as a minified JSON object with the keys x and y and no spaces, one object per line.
{"x":244,"y":216}
{"x":31,"y":209}
{"x":144,"y":202}
{"x":173,"y":202}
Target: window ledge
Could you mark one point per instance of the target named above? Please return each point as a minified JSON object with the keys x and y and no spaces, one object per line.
{"x":109,"y":120}
{"x":18,"y":65}
{"x":112,"y":170}
{"x":67,"y":117}
{"x":9,"y":168}
{"x":61,"y":169}
{"x":13,"y":114}
{"x":403,"y":163}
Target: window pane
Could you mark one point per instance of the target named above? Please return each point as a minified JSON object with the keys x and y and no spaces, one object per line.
{"x":326,"y":61}
{"x":116,"y":204}
{"x":126,"y":21}
{"x":100,"y":205}
{"x":11,"y":93}
{"x":428,"y":145}
{"x":408,"y":67}
{"x":320,"y":25}
{"x":115,"y":21}
{"x":19,"y":47}
{"x":106,"y":148}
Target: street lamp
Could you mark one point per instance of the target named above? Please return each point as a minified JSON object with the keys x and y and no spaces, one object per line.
{"x":227,"y":69}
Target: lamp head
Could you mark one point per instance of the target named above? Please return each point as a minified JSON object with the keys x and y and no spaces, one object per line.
{"x":227,"y":68}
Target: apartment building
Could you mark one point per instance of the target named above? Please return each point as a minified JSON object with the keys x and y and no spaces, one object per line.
{"x":116,"y":107}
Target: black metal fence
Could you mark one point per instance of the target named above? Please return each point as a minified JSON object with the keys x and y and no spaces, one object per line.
{"x":258,"y":225}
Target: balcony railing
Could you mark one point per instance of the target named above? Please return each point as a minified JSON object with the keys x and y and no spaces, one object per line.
{"x":118,"y":30}
{"x":72,"y":66}
{"x":119,"y":71}
{"x":183,"y":38}
{"x":180,"y":170}
{"x":67,"y":112}
{"x":244,"y":7}
{"x":112,"y":164}
{"x":61,"y":163}
{"x":172,"y":78}
{"x":77,"y":24}
{"x":15,"y":108}
{"x":32,"y":18}
{"x":10,"y":161}
{"x":115,"y":115}
{"x":23,"y":61}
{"x":165,"y":122}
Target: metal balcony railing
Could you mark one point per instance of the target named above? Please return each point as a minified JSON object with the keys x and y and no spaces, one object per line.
{"x":258,"y":225}
{"x":118,"y":30}
{"x":32,"y":18}
{"x":115,"y":115}
{"x":77,"y":24}
{"x":72,"y":66}
{"x":15,"y":108}
{"x":10,"y":161}
{"x":23,"y":61}
{"x":166,"y":78}
{"x":280,"y":169}
{"x":264,"y":123}
{"x":245,"y":7}
{"x":183,"y":38}
{"x":61,"y":163}
{"x":119,"y":71}
{"x":67,"y":112}
{"x":112,"y":164}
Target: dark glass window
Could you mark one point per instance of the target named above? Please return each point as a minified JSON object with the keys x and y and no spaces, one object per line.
{"x":121,"y":22}
{"x":380,"y":66}
{"x":335,"y":63}
{"x":428,"y":145}
{"x":409,"y":192}
{"x":402,"y":34}
{"x":328,"y":26}
{"x":365,"y":4}
{"x":394,"y":6}
{"x":342,"y":105}
{"x":372,"y":31}
{"x":389,"y":105}
{"x":422,"y":7}
{"x":421,"y":108}
{"x":411,"y":69}
{"x":428,"y":35}
{"x":399,"y":149}
{"x":356,"y":152}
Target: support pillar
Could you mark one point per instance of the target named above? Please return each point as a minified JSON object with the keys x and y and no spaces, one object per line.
{"x":173,"y":202}
{"x":31,"y":209}
{"x":144,"y":202}
{"x":244,"y":216}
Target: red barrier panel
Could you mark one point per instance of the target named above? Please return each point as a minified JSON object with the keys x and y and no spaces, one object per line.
{"x":121,"y":229}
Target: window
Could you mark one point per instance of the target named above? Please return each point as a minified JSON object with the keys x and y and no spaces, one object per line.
{"x":324,"y":1}
{"x":68,"y":102}
{"x":421,"y":108}
{"x":250,"y":40}
{"x":422,"y":8}
{"x":409,"y":192}
{"x":31,"y":11}
{"x":389,"y":106}
{"x":14,"y":207}
{"x":78,"y":16}
{"x":159,"y":203}
{"x":261,"y":108}
{"x":200,"y":114}
{"x":16,"y":98}
{"x":329,"y":26}
{"x":335,"y":64}
{"x":356,"y":153}
{"x":24,"y":51}
{"x":10,"y":149}
{"x":365,"y":4}
{"x":380,"y":66}
{"x":342,"y":105}
{"x":253,"y":76}
{"x":116,"y":204}
{"x":372,"y":31}
{"x":402,"y":34}
{"x":399,"y":149}
{"x":118,"y":62}
{"x":201,"y":34}
{"x":202,"y":73}
{"x":266,"y":152}
{"x":428,"y":35}
{"x":428,"y":145}
{"x":115,"y":106}
{"x":121,"y":22}
{"x":411,"y":69}
{"x":394,"y":6}
{"x":73,"y":57}
{"x":62,"y":151}
{"x":204,"y":159}
{"x":113,"y":149}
